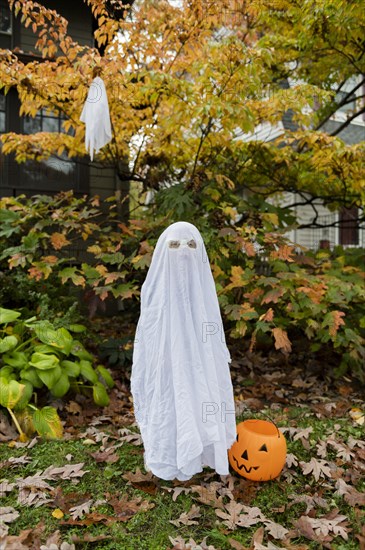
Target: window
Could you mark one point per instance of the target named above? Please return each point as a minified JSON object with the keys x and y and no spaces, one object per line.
{"x":349,"y":226}
{"x":56,"y":172}
{"x":5,"y":18}
{"x":350,"y":106}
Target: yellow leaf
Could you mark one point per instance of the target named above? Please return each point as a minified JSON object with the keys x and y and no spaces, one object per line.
{"x":57,"y":513}
{"x":357,"y":415}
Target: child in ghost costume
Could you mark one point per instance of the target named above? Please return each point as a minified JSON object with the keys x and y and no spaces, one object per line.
{"x":180,"y":382}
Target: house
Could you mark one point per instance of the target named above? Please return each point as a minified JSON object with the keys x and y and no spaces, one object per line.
{"x":323,"y":228}
{"x":54,"y":174}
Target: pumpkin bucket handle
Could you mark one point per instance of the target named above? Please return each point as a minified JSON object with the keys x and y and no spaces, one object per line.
{"x":271,"y":420}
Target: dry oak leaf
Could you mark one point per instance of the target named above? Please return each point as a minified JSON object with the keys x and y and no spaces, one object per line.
{"x":305,"y":528}
{"x":352,"y":496}
{"x":187,"y":518}
{"x":145,"y":482}
{"x":8,"y":514}
{"x":105,"y":456}
{"x":330,"y":524}
{"x":319,"y":468}
{"x":291,"y":460}
{"x":282,"y":341}
{"x":276,"y":530}
{"x":81,"y":510}
{"x":232,"y":513}
{"x":176,"y":491}
{"x":69,"y":471}
{"x":6,"y":487}
{"x":310,"y":501}
{"x":180,"y":544}
{"x":208,"y":494}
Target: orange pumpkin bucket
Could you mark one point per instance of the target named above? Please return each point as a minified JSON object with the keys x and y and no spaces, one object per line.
{"x":259,"y":452}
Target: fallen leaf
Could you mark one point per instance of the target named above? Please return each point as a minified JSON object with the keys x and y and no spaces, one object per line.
{"x":357,"y":416}
{"x":6,"y":487}
{"x":69,"y":471}
{"x":319,"y":468}
{"x":57,"y":513}
{"x":176,"y":491}
{"x":7,"y":430}
{"x":8,"y":514}
{"x":187,"y":518}
{"x":310,"y":501}
{"x":105,"y":456}
{"x":237,"y":545}
{"x":231,"y":513}
{"x":145,"y":482}
{"x":208,"y":494}
{"x":81,"y":510}
{"x":276,"y":530}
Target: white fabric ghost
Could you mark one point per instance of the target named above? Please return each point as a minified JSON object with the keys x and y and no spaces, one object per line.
{"x":95,"y":114}
{"x":180,"y":382}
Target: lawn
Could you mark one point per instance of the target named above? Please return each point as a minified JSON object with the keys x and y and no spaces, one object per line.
{"x":90,"y":489}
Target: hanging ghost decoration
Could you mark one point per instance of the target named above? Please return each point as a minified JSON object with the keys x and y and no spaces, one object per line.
{"x":95,"y":115}
{"x":180,"y":382}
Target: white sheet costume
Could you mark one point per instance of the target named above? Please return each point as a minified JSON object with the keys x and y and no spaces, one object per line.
{"x":181,"y":384}
{"x":95,"y":114}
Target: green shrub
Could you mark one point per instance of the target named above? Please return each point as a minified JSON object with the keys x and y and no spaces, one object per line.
{"x":36,"y":357}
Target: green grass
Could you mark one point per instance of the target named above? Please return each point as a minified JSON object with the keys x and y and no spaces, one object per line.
{"x":150,"y":529}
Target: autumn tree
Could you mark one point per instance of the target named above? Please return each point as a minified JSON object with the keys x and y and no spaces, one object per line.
{"x":188,"y":82}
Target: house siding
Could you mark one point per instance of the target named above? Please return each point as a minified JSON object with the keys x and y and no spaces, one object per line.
{"x":43,"y":178}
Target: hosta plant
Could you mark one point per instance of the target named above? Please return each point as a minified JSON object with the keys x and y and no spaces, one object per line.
{"x":36,"y":358}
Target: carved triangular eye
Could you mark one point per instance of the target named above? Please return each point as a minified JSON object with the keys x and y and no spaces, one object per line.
{"x":263,"y":448}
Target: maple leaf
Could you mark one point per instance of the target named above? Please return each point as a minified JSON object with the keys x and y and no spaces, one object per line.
{"x":188,"y":518}
{"x":273,"y":296}
{"x":59,"y":240}
{"x":333,"y":319}
{"x":249,"y":248}
{"x":282,"y":341}
{"x":319,"y":468}
{"x":284,"y":252}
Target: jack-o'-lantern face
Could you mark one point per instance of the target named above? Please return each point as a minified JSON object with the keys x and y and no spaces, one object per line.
{"x":259,"y":452}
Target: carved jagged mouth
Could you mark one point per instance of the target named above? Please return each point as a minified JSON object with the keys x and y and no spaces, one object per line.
{"x":247,"y":470}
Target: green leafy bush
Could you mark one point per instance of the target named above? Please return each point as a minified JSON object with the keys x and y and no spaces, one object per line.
{"x":270,"y":290}
{"x":36,"y":357}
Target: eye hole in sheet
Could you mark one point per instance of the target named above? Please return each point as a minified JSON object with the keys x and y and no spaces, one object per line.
{"x":183,"y":242}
